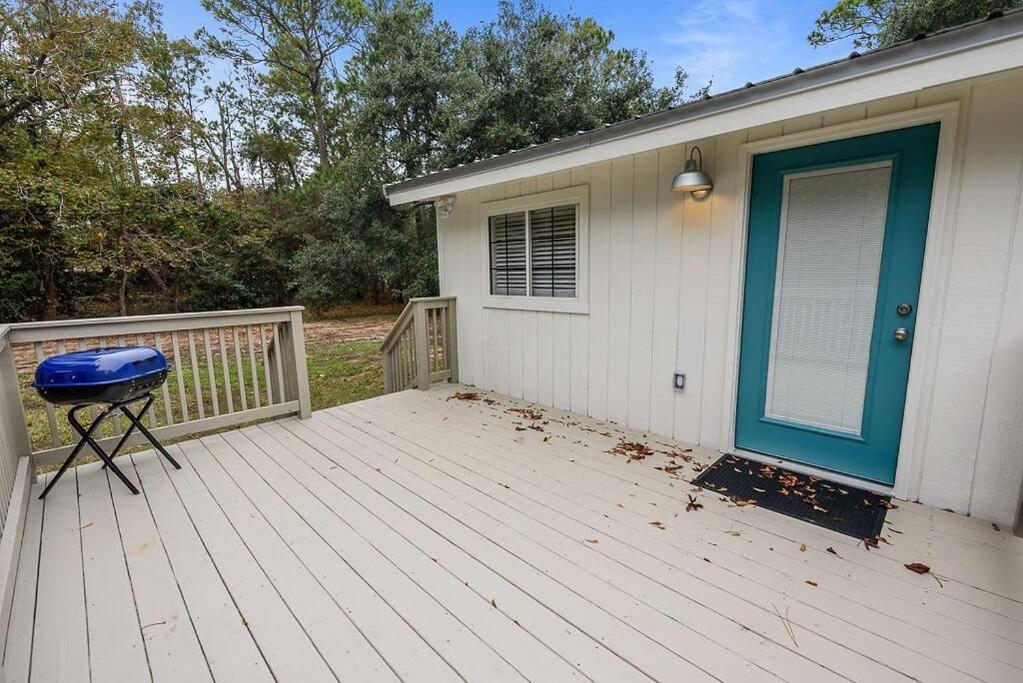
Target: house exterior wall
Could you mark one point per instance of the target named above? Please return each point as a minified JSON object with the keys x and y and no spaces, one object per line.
{"x":660,"y":274}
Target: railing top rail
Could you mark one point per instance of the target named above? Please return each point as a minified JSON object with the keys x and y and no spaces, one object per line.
{"x":431,"y":298}
{"x":398,"y":327}
{"x":48,"y":330}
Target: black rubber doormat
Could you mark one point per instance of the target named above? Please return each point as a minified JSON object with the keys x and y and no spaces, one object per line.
{"x":846,"y":509}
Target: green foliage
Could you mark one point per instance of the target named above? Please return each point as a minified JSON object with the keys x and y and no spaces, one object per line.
{"x":532,"y":75}
{"x":132,"y":179}
{"x":873,"y":23}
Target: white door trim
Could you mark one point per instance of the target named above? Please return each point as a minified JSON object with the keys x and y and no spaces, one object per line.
{"x":933,"y":283}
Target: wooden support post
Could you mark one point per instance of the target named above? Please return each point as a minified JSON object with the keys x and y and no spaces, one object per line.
{"x":451,"y":340}
{"x":298,"y":369}
{"x":421,"y":346}
{"x":12,"y":421}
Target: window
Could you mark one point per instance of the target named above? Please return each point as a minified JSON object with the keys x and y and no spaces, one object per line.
{"x":508,"y":254}
{"x":548,"y":236}
{"x":534,"y":250}
{"x":552,"y":251}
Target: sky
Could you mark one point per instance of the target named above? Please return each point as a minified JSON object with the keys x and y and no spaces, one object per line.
{"x":726,"y":42}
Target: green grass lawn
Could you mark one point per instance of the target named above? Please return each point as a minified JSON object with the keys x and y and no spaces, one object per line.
{"x":339,"y":372}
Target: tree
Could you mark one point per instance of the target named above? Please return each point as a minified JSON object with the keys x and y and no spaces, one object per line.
{"x":297,"y":40}
{"x":873,"y":23}
{"x":533,"y":75}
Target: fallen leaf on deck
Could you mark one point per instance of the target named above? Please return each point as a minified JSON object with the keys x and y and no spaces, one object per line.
{"x":493,"y":603}
{"x":591,"y":540}
{"x":833,"y":551}
{"x":657,"y":524}
{"x":802,"y":547}
{"x":812,"y":583}
{"x":465,"y":396}
{"x":918,"y":568}
{"x":692,"y":504}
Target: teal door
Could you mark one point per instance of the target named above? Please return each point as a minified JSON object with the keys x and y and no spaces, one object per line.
{"x":834,"y":255}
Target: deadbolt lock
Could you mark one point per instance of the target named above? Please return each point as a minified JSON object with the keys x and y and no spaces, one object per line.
{"x":901,"y":334}
{"x":904,"y":309}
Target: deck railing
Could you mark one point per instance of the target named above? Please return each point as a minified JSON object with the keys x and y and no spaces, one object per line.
{"x":422,"y":347}
{"x":226,"y":368}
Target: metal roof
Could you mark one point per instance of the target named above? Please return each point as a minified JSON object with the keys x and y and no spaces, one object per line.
{"x":924,"y":46}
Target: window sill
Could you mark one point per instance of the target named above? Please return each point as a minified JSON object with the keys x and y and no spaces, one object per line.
{"x":542,"y":304}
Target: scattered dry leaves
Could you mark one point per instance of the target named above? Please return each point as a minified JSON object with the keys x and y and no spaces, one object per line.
{"x":465,"y":396}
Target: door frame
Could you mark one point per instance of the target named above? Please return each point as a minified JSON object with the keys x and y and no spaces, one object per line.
{"x":933,"y":281}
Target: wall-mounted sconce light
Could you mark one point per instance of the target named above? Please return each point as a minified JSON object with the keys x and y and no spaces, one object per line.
{"x":692,"y":178}
{"x":444,"y":205}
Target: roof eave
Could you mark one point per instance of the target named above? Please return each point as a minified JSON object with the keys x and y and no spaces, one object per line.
{"x":942,"y":44}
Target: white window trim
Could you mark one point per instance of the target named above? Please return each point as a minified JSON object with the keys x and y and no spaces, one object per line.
{"x":580,"y":303}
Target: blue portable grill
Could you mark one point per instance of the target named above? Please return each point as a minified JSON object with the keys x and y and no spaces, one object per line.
{"x":116,"y":377}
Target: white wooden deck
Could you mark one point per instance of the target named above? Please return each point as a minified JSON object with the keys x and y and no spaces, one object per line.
{"x":413,"y":537}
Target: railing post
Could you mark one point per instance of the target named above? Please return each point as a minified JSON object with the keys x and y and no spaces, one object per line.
{"x":451,"y":340}
{"x":12,"y":411}
{"x":299,"y":369}
{"x":422,"y":346}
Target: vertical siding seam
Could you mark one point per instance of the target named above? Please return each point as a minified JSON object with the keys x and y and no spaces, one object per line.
{"x":998,"y":327}
{"x":607,"y":272}
{"x":628,"y":297}
{"x":706,"y":296}
{"x":952,"y":219}
{"x":678,"y":301}
{"x":653,"y":316}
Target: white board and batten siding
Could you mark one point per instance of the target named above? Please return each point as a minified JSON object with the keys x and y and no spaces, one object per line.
{"x":660,"y":269}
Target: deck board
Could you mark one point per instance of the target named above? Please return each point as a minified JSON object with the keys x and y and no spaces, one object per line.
{"x":412,"y":537}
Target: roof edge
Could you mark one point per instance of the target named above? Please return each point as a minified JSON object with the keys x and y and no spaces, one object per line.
{"x":995,"y":28}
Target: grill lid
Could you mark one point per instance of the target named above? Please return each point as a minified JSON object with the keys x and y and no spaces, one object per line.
{"x":99,"y":367}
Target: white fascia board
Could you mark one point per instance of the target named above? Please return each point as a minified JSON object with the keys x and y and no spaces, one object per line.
{"x":971,"y":62}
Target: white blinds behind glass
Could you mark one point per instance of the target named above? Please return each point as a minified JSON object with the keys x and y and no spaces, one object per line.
{"x":552,"y":250}
{"x":832,"y":230}
{"x":508,"y":254}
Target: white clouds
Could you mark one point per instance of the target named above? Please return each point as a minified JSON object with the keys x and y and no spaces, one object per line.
{"x":734,"y":41}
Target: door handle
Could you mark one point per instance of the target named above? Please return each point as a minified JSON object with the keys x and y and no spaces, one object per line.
{"x":901,"y":334}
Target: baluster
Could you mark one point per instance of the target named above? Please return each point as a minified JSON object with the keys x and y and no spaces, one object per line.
{"x":167,"y":411}
{"x":399,"y":354}
{"x":252,"y":365}
{"x":210,"y":372}
{"x":442,"y":333}
{"x":180,"y":372}
{"x":279,"y":361}
{"x":114,"y":423}
{"x":264,"y":345}
{"x":140,"y":340}
{"x":51,"y":414}
{"x":406,"y":359}
{"x":226,"y":370}
{"x":196,"y":378}
{"x":238,"y":366}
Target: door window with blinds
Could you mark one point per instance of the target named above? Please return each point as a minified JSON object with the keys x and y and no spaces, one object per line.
{"x":829,"y":258}
{"x":534,"y":253}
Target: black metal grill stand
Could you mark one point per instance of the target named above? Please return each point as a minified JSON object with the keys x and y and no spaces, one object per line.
{"x":108,"y":460}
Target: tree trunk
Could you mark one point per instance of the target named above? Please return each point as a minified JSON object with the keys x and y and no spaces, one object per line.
{"x":122,"y":293}
{"x":48,"y":290}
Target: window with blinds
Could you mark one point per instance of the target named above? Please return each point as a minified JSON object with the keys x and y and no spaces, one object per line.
{"x":552,"y":251}
{"x":508,"y":267}
{"x":533,"y":253}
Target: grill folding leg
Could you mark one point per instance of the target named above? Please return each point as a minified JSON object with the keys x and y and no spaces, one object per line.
{"x":86,"y":434}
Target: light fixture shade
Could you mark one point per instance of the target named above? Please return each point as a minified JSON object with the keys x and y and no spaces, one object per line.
{"x":693,"y":179}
